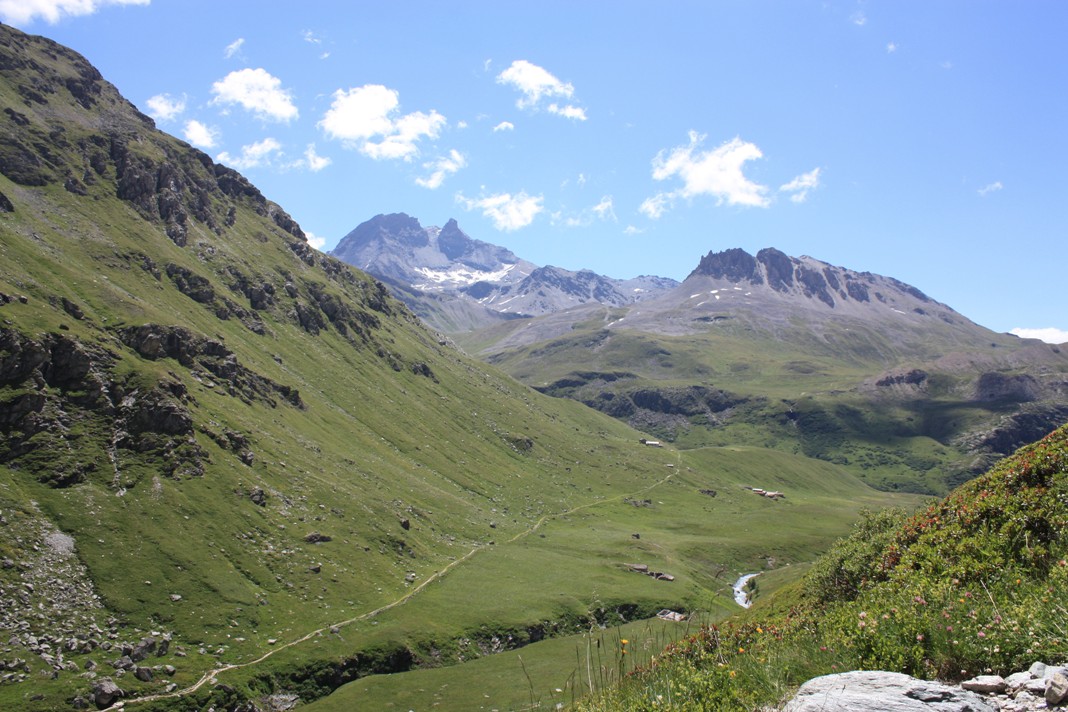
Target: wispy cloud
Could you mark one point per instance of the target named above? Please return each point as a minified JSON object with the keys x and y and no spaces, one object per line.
{"x":234,"y":47}
{"x":313,"y":161}
{"x":508,"y":212}
{"x":655,"y":206}
{"x":200,"y":135}
{"x":254,"y":155}
{"x":255,"y":90}
{"x":441,"y":169}
{"x":535,"y":83}
{"x":365,"y":118}
{"x":859,"y":19}
{"x":22,"y":12}
{"x":891,"y":48}
{"x":504,"y":126}
{"x":800,"y":186}
{"x":990,"y":188}
{"x":1050,"y":335}
{"x":568,"y":112}
{"x":716,"y":173}
{"x":164,"y":107}
{"x":602,"y":211}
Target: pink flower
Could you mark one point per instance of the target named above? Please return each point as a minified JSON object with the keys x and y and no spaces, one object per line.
{"x":982,"y":634}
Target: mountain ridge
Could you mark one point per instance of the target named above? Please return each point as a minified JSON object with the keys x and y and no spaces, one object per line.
{"x":487,"y":278}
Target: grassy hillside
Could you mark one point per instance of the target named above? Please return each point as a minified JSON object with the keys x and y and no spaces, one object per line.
{"x":920,"y":411}
{"x":974,"y":583}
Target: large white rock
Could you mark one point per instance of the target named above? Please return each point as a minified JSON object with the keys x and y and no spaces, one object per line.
{"x":877,"y":691}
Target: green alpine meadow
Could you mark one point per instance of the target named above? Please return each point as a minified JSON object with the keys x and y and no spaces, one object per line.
{"x":239,"y":474}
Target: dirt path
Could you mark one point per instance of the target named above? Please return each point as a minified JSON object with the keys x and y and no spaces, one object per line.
{"x":212,"y":674}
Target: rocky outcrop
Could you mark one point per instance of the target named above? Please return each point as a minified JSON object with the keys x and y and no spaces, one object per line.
{"x":207,"y":358}
{"x":1020,"y":388}
{"x":875,"y":691}
{"x":1040,"y":687}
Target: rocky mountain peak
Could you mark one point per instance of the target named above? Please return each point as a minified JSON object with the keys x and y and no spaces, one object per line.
{"x":808,"y":280}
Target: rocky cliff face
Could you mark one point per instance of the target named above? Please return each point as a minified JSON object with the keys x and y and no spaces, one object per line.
{"x":811,"y":282}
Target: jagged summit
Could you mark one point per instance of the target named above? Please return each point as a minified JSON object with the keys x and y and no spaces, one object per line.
{"x":807,"y":282}
{"x":489,"y":280}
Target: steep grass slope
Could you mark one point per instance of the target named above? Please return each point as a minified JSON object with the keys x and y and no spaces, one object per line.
{"x":974,"y":583}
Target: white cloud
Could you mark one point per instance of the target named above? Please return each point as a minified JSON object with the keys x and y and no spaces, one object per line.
{"x":234,"y":47}
{"x":632,"y":230}
{"x":315,"y":241}
{"x":656,"y":205}
{"x":891,"y":47}
{"x":568,"y":112}
{"x":441,"y":168}
{"x":504,"y":126}
{"x":163,"y":107}
{"x":200,"y":135}
{"x":257,"y":91}
{"x":717,"y":173}
{"x":507,"y":212}
{"x":1050,"y":335}
{"x":361,"y":114}
{"x":859,"y":19}
{"x":799,"y":187}
{"x":461,"y":124}
{"x":990,"y":188}
{"x":604,"y":210}
{"x":535,"y":83}
{"x":310,"y":37}
{"x":313,"y":160}
{"x":22,"y":12}
{"x":253,"y":155}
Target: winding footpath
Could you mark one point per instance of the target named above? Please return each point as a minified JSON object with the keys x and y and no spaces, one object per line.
{"x":211,"y":675}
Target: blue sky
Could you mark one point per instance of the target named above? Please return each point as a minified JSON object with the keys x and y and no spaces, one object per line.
{"x":920,"y":140}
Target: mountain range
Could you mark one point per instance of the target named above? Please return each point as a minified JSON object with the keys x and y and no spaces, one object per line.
{"x":429,"y":267}
{"x":771,"y":350}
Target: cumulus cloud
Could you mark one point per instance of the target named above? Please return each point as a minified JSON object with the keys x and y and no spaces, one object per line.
{"x":164,"y":107}
{"x":365,"y":118}
{"x":200,"y":135}
{"x":990,"y":188}
{"x":1050,"y":335}
{"x":799,"y":187}
{"x":504,"y":126}
{"x":253,"y":155}
{"x":442,"y":168}
{"x":22,"y":12}
{"x":891,"y":47}
{"x":717,"y":173}
{"x":313,"y":161}
{"x":507,"y":212}
{"x":535,"y":83}
{"x":257,"y":91}
{"x":234,"y":47}
{"x":315,"y":241}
